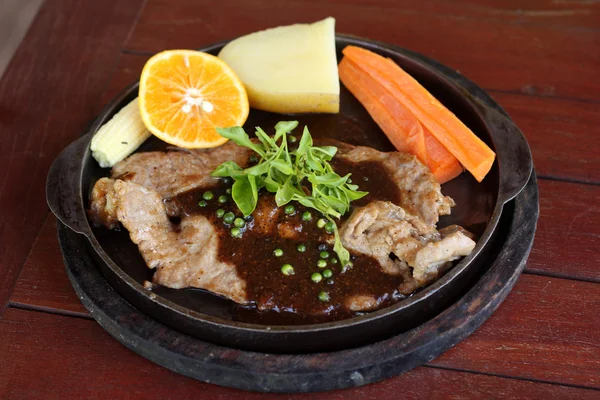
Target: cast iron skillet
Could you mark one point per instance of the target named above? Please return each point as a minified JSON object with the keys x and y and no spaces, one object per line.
{"x":209,"y":317}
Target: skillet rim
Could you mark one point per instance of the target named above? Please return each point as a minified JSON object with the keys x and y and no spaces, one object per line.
{"x":470,"y":92}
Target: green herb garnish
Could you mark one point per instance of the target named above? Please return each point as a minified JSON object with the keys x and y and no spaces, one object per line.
{"x":303,"y":175}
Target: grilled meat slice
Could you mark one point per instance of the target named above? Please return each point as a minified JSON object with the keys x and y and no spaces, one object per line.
{"x":400,"y":242}
{"x":419,"y":191}
{"x":102,"y":209}
{"x":173,"y":172}
{"x":436,"y":256}
{"x":401,"y":237}
{"x":178,"y":170}
{"x":183,"y":257}
{"x":361,"y":302}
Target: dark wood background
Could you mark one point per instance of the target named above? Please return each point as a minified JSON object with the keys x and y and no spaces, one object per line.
{"x":539,"y":59}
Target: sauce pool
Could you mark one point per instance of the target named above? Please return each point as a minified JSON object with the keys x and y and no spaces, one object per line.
{"x":280,"y":299}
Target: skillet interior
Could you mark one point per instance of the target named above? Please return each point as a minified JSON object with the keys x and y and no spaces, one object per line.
{"x":476,"y":202}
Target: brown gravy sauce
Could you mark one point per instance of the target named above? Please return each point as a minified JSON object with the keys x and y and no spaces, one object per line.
{"x":294,"y":299}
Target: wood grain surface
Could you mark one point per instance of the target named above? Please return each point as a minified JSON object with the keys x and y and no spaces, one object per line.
{"x":538,"y":59}
{"x":43,"y":283}
{"x":47,"y":98}
{"x":546,"y":330}
{"x":568,"y":236}
{"x":102,"y":368}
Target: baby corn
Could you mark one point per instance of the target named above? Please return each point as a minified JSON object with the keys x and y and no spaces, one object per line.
{"x":120,"y":136}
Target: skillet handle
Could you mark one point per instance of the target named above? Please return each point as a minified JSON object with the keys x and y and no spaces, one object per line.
{"x":63,"y":186}
{"x":513,"y":153}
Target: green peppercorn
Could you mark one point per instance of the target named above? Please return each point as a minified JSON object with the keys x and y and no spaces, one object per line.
{"x":301,"y":248}
{"x":287,"y":269}
{"x":321,"y":263}
{"x":316,"y":277}
{"x":236,"y":232}
{"x":223,"y":199}
{"x":329,"y":227}
{"x":208,"y":195}
{"x":228,"y":191}
{"x":292,"y":139}
{"x":229,"y":217}
{"x":321,"y":223}
{"x":324,"y":254}
{"x":334,"y":260}
{"x":277,"y":252}
{"x":327,"y":273}
{"x":306,"y":216}
{"x":289,"y":209}
{"x":324,"y":296}
{"x":238,"y":222}
{"x":202,"y":203}
{"x":220,"y":213}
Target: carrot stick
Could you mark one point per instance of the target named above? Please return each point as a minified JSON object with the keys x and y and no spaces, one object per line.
{"x":458,"y":139}
{"x":400,"y":125}
{"x":440,"y":161}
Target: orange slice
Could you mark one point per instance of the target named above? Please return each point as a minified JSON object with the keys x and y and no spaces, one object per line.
{"x":184,"y":95}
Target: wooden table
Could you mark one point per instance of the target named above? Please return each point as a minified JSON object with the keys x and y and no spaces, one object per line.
{"x":539,"y":59}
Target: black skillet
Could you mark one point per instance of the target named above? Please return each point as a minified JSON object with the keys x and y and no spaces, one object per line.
{"x":209,"y":317}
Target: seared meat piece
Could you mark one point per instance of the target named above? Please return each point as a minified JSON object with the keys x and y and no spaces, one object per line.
{"x":186,"y":257}
{"x":400,"y":241}
{"x":361,"y":302}
{"x":437,"y":256}
{"x":146,"y":188}
{"x":266,"y":215}
{"x":178,"y":170}
{"x":419,"y":191}
{"x":102,"y":204}
{"x":267,"y":219}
